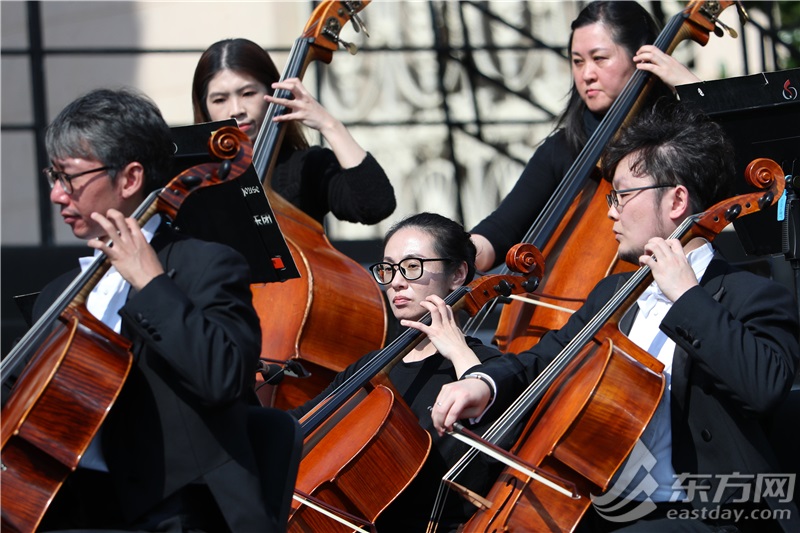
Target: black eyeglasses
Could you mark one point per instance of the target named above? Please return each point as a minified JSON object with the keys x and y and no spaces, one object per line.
{"x":613,"y":197}
{"x":64,"y":179}
{"x":410,"y":268}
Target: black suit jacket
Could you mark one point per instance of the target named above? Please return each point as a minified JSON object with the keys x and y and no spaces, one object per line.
{"x":736,"y":356}
{"x":180,"y":417}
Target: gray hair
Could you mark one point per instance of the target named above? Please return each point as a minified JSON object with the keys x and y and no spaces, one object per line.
{"x":116,"y":127}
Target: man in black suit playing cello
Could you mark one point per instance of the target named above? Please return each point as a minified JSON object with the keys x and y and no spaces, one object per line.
{"x":728,"y":338}
{"x":173,"y":454}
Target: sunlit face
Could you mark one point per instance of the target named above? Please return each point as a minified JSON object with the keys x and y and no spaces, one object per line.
{"x":405,"y":296}
{"x":232,"y":94}
{"x":93,"y":192}
{"x":600,"y":67}
{"x":639,"y":216}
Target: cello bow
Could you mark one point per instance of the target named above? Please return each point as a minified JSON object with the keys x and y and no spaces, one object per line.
{"x":74,"y":366}
{"x":573,"y":396}
{"x":351,"y":432}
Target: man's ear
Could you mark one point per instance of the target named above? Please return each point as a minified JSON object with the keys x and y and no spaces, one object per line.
{"x":130,"y":180}
{"x":680,"y":206}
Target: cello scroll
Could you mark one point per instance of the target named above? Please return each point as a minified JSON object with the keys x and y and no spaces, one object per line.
{"x":703,"y":17}
{"x":596,"y":353}
{"x":762,"y":173}
{"x":76,"y":366}
{"x":229,"y":145}
{"x":523,"y":259}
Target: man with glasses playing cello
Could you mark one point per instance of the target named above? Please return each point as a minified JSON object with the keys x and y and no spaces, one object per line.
{"x":728,"y":338}
{"x":173,"y":453}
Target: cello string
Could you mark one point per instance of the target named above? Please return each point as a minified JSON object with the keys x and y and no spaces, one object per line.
{"x":266,"y":140}
{"x":35,"y":336}
{"x":580,"y":170}
{"x":381,"y":359}
{"x":541,"y":384}
{"x":589,"y":154}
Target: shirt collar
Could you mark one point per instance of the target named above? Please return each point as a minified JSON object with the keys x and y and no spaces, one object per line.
{"x":149,"y":230}
{"x":699,"y":259}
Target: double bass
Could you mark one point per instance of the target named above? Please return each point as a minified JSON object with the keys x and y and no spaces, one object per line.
{"x":594,"y":400}
{"x":77,"y":366}
{"x":363,"y":424}
{"x":334,"y":313}
{"x":576,"y":214}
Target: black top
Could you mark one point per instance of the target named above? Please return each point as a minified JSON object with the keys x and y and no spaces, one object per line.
{"x":313,"y":180}
{"x":419,"y":383}
{"x":516,"y":214}
{"x":180,"y":418}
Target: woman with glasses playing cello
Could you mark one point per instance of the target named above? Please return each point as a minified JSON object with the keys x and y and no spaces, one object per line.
{"x":426,"y":257}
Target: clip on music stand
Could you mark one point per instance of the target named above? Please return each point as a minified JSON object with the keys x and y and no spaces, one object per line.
{"x":231,"y":213}
{"x":761,"y":115}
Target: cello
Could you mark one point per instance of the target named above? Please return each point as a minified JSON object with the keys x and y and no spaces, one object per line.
{"x":598,"y":394}
{"x":363,"y":423}
{"x":576,"y":211}
{"x":335,"y":302}
{"x":77,"y":366}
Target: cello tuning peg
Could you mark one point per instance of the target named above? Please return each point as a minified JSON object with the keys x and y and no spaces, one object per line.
{"x":722,"y":26}
{"x":358,"y":24}
{"x":531,"y":284}
{"x":350,"y":47}
{"x":224,"y":169}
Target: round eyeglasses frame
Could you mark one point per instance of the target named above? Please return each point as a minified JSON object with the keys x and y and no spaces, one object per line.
{"x":403,"y":267}
{"x":65,"y":179}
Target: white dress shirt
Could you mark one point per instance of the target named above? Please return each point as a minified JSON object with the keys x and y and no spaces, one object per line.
{"x":104,"y":303}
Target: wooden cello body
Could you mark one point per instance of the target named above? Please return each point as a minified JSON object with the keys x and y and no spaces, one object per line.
{"x":327,"y":318}
{"x":356,"y":466}
{"x":61,"y":400}
{"x":334,"y":313}
{"x":363,"y":445}
{"x":576,"y":270}
{"x":577,"y":212}
{"x":597,"y":396}
{"x":75,"y":366}
{"x":581,"y":432}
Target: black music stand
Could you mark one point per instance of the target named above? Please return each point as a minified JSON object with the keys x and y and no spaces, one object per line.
{"x":761,"y":115}
{"x":236,"y":213}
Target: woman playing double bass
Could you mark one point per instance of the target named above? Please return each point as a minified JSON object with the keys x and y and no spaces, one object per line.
{"x":609,"y":41}
{"x":235,"y":78}
{"x":426,"y":256}
{"x":728,"y":340}
{"x":333,"y":296}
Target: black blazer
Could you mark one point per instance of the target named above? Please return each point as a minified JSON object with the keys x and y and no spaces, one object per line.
{"x":736,"y":356}
{"x":180,"y":417}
